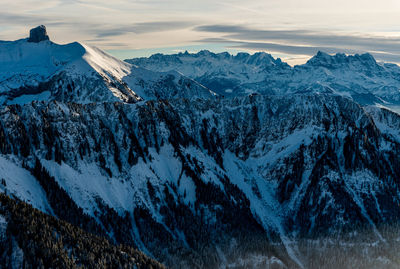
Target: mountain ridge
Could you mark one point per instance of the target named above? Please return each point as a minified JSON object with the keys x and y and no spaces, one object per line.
{"x":359,"y":77}
{"x":280,"y":167}
{"x":175,"y":166}
{"x":80,"y":73}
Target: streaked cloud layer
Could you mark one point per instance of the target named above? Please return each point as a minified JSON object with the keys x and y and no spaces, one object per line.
{"x":304,"y":42}
{"x":289,"y":29}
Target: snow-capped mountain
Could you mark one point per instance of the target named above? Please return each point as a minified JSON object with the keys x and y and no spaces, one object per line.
{"x":208,"y":183}
{"x":226,"y":74}
{"x":357,"y":76}
{"x":304,"y":174}
{"x":79,"y":73}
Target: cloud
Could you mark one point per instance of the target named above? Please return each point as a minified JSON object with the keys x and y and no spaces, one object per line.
{"x":303,"y":42}
{"x":320,"y":38}
{"x":159,"y":26}
{"x":297,"y":50}
{"x":144,"y":24}
{"x":68,"y":28}
{"x":17,"y":19}
{"x":276,"y":47}
{"x":143,"y":27}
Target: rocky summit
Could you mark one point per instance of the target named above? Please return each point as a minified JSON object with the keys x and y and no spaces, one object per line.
{"x":38,"y":34}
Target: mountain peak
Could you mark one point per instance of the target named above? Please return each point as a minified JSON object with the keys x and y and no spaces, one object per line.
{"x":321,"y":57}
{"x":367,"y":57}
{"x":327,"y":60}
{"x":205,"y":53}
{"x":38,"y":34}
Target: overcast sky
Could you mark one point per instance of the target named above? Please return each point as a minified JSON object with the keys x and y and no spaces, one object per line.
{"x":291,"y":29}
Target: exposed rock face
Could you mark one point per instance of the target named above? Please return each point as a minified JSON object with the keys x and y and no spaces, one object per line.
{"x":38,"y":34}
{"x":192,"y":177}
{"x":357,"y":76}
{"x":207,"y":182}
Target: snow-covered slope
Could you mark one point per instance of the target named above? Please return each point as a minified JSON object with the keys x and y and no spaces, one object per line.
{"x":357,"y":76}
{"x":225,"y":74}
{"x":190,"y":181}
{"x":254,"y":180}
{"x":71,"y":72}
{"x":79,"y":73}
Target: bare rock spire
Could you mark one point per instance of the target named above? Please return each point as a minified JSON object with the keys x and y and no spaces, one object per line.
{"x":38,"y":34}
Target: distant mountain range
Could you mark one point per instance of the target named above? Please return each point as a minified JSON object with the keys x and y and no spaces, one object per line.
{"x":359,"y":77}
{"x":199,"y":160}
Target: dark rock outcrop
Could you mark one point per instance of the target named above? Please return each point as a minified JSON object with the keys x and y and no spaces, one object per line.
{"x":321,"y":165}
{"x":38,"y":34}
